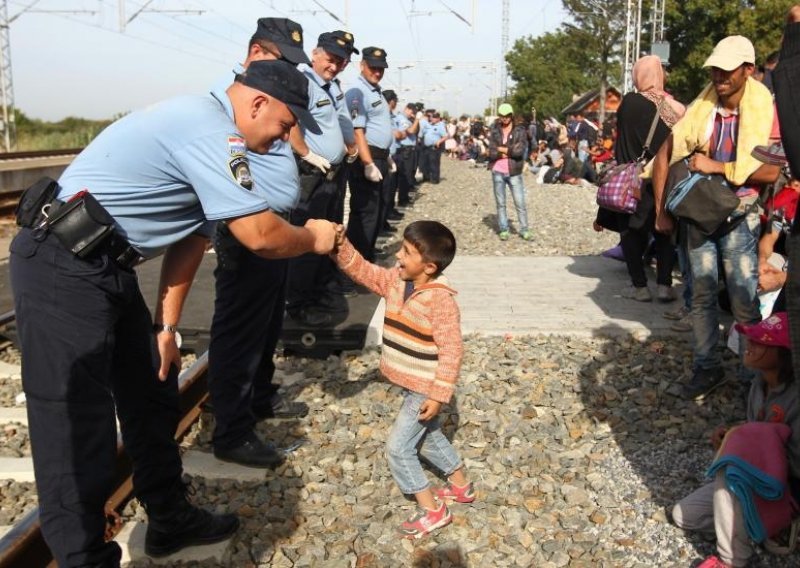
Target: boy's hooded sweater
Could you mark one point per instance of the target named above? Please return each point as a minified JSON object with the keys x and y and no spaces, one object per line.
{"x":422,"y":345}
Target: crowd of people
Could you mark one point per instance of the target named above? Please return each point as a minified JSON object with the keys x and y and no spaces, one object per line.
{"x":260,"y":165}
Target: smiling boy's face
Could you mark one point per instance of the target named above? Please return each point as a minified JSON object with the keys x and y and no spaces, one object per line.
{"x":413,"y":268}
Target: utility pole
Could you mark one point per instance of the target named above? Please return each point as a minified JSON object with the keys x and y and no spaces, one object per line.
{"x":6,"y":80}
{"x":504,"y":49}
{"x":633,"y":42}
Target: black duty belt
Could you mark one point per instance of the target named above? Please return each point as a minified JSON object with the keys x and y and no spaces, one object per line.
{"x":405,"y":149}
{"x":307,"y":169}
{"x":379,"y":153}
{"x":120,"y":251}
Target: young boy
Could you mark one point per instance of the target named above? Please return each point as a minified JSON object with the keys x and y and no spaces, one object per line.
{"x":422,"y":350}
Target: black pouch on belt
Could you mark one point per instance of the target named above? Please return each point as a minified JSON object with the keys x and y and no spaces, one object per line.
{"x":81,"y":224}
{"x":29,"y":209}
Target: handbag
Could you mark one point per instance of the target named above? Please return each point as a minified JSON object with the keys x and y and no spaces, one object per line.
{"x":620,"y":186}
{"x":705,"y":201}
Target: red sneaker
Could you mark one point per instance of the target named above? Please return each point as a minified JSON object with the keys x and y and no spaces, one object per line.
{"x":713,"y":562}
{"x":424,"y":522}
{"x":455,"y":493}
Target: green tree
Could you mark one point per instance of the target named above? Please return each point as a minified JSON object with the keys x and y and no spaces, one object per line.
{"x":693,"y":27}
{"x":598,"y":27}
{"x":547,"y":70}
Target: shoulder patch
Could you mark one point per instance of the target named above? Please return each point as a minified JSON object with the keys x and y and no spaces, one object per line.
{"x":240,"y":170}
{"x":236,"y":145}
{"x":376,"y":103}
{"x":323,"y":102}
{"x":340,"y":96}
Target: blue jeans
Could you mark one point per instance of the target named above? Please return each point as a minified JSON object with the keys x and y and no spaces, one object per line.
{"x":408,"y":434}
{"x":499,"y":181}
{"x":738,"y":251}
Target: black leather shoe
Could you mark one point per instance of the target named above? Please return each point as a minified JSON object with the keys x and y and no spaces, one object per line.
{"x":252,"y":453}
{"x":282,"y":408}
{"x":387,"y":228}
{"x":395,"y":215}
{"x":169,"y":531}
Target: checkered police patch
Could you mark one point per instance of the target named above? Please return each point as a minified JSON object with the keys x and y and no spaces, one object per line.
{"x":240,"y":170}
{"x":236,"y":146}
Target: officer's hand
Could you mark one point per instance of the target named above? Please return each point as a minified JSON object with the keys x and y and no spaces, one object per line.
{"x":350,"y":158}
{"x":420,"y":115}
{"x":392,"y":165}
{"x":372,"y":173}
{"x":317,"y":161}
{"x":169,"y":353}
{"x":324,"y":235}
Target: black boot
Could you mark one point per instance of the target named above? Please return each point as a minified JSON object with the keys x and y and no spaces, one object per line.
{"x":177,"y":524}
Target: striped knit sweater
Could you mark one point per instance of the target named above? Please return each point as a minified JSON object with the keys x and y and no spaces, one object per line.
{"x":422,"y":345}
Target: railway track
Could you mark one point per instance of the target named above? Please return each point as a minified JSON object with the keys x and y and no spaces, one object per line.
{"x":24,"y":545}
{"x":19,"y":161}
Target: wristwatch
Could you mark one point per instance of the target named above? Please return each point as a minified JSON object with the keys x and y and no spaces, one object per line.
{"x":169,"y":328}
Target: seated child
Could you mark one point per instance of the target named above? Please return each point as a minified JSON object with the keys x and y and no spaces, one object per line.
{"x":773,"y":398}
{"x":422,"y":351}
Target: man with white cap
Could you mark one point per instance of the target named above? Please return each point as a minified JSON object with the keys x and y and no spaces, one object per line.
{"x":721,"y":127}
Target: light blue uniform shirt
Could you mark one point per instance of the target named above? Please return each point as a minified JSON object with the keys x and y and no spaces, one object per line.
{"x":323,"y":107}
{"x":369,"y":110}
{"x":276,"y":171}
{"x":165,"y":171}
{"x":433,"y":133}
{"x":344,"y":115}
{"x":395,"y":145}
{"x":402,"y":123}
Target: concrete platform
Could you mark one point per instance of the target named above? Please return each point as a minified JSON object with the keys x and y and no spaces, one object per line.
{"x":18,"y":469}
{"x":19,"y":415}
{"x":205,"y":465}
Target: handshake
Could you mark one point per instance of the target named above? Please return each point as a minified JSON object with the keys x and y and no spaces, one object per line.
{"x":328,"y":236}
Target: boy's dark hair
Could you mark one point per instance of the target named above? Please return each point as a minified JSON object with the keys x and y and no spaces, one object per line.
{"x":435,"y":242}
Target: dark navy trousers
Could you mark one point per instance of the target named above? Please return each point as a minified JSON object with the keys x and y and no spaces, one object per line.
{"x":247,"y":323}
{"x":88,"y":349}
{"x":367,"y":212}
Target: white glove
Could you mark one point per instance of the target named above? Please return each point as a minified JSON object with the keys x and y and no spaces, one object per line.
{"x":420,"y":115}
{"x":317,"y":161}
{"x":372,"y":173}
{"x":350,"y":158}
{"x":392,"y":166}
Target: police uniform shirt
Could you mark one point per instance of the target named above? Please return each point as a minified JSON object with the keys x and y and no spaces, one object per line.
{"x":394,"y":145}
{"x":323,"y":107}
{"x":165,"y":171}
{"x":345,"y":123}
{"x":402,"y":123}
{"x":368,"y":110}
{"x":276,"y":171}
{"x":433,"y":133}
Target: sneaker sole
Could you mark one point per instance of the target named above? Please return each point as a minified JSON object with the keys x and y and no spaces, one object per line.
{"x":443,"y":523}
{"x":167,"y":551}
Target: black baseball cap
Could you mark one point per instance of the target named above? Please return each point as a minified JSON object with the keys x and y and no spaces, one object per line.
{"x":389,"y":95}
{"x":333,"y":45}
{"x":348,"y":39}
{"x":283,"y":81}
{"x":287,"y":35}
{"x":375,"y":57}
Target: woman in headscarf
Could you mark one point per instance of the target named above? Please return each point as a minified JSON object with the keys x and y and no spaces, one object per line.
{"x":634,"y":118}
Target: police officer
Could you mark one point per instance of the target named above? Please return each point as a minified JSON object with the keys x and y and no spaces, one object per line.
{"x":373,"y":134}
{"x":434,"y":135}
{"x":390,"y":181}
{"x":310,"y":301}
{"x":250,"y":291}
{"x":422,"y":156}
{"x":156,"y":178}
{"x":406,"y":124}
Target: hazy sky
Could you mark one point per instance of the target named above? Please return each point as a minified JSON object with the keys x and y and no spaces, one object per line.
{"x":80,"y":64}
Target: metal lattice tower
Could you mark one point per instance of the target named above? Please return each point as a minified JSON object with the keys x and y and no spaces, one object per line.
{"x":633,"y":42}
{"x":6,"y":80}
{"x":658,"y":20}
{"x":504,"y":49}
